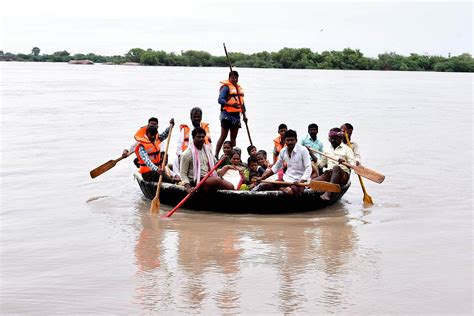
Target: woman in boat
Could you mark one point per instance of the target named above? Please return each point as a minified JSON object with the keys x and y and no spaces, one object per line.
{"x":234,"y":173}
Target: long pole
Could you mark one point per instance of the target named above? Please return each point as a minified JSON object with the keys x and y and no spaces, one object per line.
{"x":155,"y":203}
{"x":238,"y":94}
{"x":195,"y":188}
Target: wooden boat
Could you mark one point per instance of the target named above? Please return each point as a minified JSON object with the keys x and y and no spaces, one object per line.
{"x":239,"y":202}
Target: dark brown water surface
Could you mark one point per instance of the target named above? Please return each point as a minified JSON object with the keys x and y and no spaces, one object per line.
{"x":70,"y":244}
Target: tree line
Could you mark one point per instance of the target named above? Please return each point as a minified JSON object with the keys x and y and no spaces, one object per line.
{"x":288,"y":58}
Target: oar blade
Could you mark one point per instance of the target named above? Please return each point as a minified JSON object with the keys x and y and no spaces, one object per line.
{"x":324,"y":186}
{"x":102,"y":168}
{"x":368,"y":200}
{"x":369,"y":174}
{"x":155,"y":206}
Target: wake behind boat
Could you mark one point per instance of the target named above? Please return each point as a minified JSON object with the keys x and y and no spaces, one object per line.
{"x":239,"y":202}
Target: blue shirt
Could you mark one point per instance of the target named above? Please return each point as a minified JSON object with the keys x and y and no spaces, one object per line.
{"x":315,"y":144}
{"x":223,"y":94}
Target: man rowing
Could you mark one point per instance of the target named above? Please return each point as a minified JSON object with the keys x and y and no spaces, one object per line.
{"x":298,"y":162}
{"x":196,"y":162}
{"x":185,"y":135}
{"x":336,"y":173}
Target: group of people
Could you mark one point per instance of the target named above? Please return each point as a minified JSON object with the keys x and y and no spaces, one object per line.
{"x":294,"y":161}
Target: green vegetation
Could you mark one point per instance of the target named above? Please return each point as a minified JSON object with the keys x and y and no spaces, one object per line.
{"x":289,"y":58}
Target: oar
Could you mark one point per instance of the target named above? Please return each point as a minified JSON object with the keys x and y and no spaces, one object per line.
{"x":240,"y":102}
{"x":370,"y":174}
{"x":155,"y":203}
{"x":106,"y":166}
{"x":196,"y":187}
{"x":367,"y":198}
{"x":315,"y":185}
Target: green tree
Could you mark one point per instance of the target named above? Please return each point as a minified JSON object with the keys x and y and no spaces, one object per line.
{"x":134,"y":55}
{"x":35,"y":51}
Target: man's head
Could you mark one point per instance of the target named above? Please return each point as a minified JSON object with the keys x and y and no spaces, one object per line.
{"x":282,"y":128}
{"x":313,"y":130}
{"x":233,"y":77}
{"x":152,"y":121}
{"x":151,"y":132}
{"x":196,"y":116}
{"x":198,"y":135}
{"x":290,"y":139}
{"x":347,"y":128}
{"x":252,"y":150}
{"x":252,"y":163}
{"x":335,"y":136}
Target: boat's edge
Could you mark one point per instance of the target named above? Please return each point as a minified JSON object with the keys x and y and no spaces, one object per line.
{"x":228,"y":201}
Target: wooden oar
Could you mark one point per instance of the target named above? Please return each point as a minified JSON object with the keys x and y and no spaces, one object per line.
{"x":155,"y":203}
{"x":106,"y":166}
{"x":367,"y":198}
{"x":238,"y":95}
{"x":314,"y":185}
{"x":370,"y":174}
{"x":195,"y":188}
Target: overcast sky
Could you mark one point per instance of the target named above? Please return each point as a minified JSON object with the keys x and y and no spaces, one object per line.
{"x":113,"y":27}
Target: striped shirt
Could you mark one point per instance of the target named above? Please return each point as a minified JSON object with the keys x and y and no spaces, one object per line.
{"x":162,"y":137}
{"x":146,"y":159}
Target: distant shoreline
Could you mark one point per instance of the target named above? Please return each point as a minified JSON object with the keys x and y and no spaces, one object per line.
{"x":286,"y":58}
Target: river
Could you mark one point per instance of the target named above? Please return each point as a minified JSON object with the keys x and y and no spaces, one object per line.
{"x":75,"y":245}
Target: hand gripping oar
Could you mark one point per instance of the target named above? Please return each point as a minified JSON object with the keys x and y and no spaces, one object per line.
{"x":238,"y":95}
{"x":195,"y":188}
{"x":155,"y":203}
{"x":370,"y":174}
{"x":314,"y":185}
{"x":367,"y":198}
{"x":106,"y":166}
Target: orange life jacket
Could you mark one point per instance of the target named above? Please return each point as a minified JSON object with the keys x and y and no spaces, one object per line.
{"x":140,"y":135}
{"x":153,"y":151}
{"x":233,"y":98}
{"x":278,"y":146}
{"x":186,"y":134}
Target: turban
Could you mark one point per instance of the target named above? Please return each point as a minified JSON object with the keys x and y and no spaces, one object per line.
{"x":335,"y":134}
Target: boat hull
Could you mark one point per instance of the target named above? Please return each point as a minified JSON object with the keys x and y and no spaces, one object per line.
{"x":239,"y":202}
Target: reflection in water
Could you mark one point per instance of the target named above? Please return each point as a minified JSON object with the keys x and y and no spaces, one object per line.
{"x":202,"y":262}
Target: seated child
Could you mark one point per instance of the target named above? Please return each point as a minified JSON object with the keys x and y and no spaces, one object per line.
{"x":263,"y":163}
{"x":252,"y":151}
{"x":254,"y":172}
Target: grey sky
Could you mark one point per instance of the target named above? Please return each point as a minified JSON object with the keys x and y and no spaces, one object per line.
{"x":113,"y":27}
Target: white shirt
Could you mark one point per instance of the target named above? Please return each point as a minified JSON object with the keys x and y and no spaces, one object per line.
{"x":342,"y":151}
{"x":299,"y":164}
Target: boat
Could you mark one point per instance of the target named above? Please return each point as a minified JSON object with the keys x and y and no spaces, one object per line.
{"x":81,"y":62}
{"x":239,"y":202}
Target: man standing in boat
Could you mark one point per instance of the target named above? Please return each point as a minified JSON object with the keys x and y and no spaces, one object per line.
{"x":336,"y":173}
{"x":298,"y":162}
{"x":196,"y":162}
{"x":231,"y":99}
{"x":184,"y":135}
